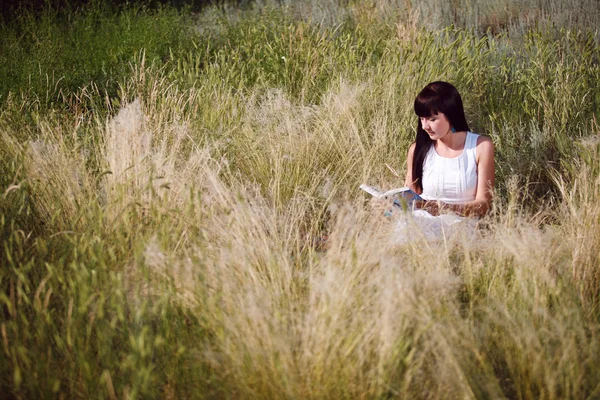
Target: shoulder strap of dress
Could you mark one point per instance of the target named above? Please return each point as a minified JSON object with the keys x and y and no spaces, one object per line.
{"x":471,"y":142}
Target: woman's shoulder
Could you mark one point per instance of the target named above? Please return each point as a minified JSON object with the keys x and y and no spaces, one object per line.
{"x":411,"y":151}
{"x":483,"y":140}
{"x":484,"y":146}
{"x":479,"y":136}
{"x":480,"y":139}
{"x":411,"y":148}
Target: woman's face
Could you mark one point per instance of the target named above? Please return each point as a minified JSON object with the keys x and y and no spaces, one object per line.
{"x":437,"y":126}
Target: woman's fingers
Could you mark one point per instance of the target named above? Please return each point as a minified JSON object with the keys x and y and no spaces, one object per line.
{"x":431,"y":206}
{"x":419,"y":204}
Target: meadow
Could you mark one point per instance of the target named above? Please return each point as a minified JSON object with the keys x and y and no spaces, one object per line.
{"x":180,"y":214}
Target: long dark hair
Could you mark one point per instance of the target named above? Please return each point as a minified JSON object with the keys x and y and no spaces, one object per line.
{"x":437,"y":97}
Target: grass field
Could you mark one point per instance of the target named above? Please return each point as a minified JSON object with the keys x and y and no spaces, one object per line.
{"x":167,"y":179}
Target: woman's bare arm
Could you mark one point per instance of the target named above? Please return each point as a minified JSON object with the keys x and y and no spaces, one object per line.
{"x":409,"y":181}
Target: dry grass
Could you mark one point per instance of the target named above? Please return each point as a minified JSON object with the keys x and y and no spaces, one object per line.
{"x":503,"y":314}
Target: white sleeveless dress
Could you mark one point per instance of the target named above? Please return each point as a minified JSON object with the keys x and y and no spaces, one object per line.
{"x":450,"y":180}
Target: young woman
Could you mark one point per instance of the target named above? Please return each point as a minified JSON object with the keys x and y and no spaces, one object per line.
{"x":449,"y":166}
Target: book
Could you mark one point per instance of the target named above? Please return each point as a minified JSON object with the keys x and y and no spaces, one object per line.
{"x":403,"y":195}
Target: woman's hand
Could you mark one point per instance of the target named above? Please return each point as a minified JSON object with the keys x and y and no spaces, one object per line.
{"x":476,"y":208}
{"x":433,"y":207}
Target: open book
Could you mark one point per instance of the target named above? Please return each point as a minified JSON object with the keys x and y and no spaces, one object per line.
{"x":403,"y":195}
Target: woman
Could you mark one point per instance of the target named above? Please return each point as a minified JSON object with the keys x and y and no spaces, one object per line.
{"x":449,"y":166}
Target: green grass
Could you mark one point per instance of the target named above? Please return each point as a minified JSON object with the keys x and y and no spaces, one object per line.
{"x":166,"y":180}
{"x":48,"y":57}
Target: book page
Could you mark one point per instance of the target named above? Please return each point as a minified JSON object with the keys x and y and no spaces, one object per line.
{"x":373,"y":191}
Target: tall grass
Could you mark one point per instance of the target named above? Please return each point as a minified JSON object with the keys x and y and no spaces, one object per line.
{"x":195,"y":231}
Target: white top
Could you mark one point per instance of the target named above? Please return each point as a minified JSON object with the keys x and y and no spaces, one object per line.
{"x":451,"y":180}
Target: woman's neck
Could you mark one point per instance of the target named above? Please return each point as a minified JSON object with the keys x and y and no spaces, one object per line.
{"x":451,"y":144}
